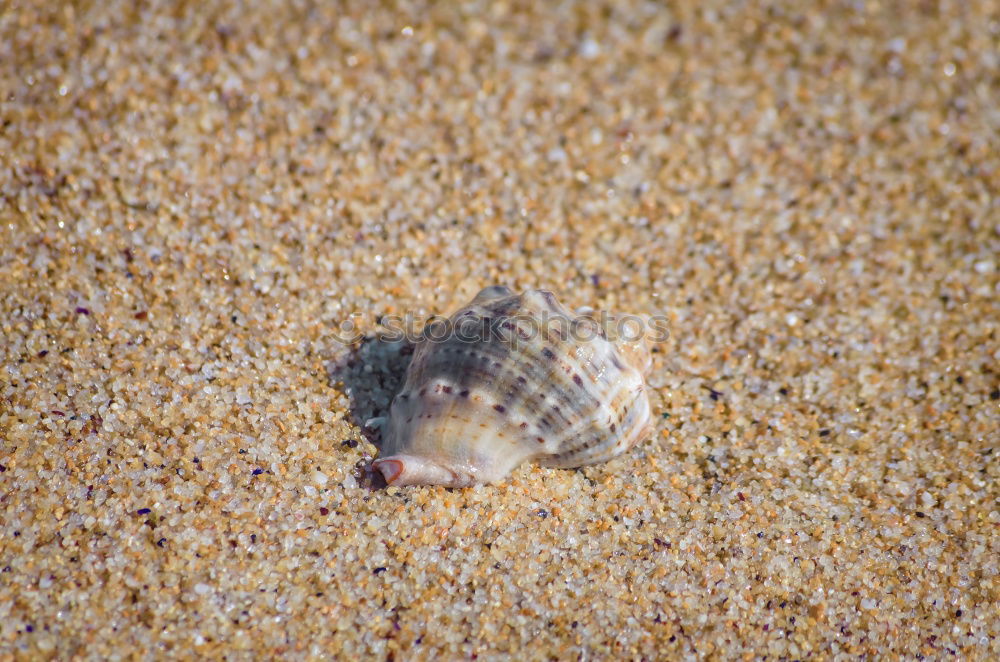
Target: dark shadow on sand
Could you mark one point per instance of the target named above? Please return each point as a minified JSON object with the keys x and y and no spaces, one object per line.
{"x":370,"y":374}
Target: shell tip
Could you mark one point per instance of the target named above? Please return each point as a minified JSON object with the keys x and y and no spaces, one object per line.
{"x":406,"y":469}
{"x":391,"y":469}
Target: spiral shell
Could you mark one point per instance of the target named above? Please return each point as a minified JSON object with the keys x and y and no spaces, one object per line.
{"x":514,"y":378}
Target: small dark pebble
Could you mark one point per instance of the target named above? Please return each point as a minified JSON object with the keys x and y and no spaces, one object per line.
{"x":159,"y":543}
{"x":541,"y":512}
{"x":142,"y":314}
{"x":82,"y":311}
{"x":783,"y":391}
{"x":257,"y":472}
{"x":665,"y":414}
{"x":824,"y":433}
{"x":324,"y":511}
{"x":958,"y":613}
{"x":2,"y":468}
{"x":350,"y":443}
{"x":920,"y":514}
{"x":43,"y":353}
{"x":960,"y":379}
{"x":29,"y":628}
{"x":995,"y":394}
{"x":378,"y":571}
{"x":142,"y":511}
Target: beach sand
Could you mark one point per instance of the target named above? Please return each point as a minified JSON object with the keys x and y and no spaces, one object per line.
{"x":196,"y":198}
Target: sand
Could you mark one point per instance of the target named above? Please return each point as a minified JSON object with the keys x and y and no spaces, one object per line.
{"x":195,"y":198}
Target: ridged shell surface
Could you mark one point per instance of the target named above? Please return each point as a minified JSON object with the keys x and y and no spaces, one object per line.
{"x":510,"y":379}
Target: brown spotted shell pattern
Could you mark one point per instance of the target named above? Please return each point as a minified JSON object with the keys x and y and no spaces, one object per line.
{"x":510,"y":381}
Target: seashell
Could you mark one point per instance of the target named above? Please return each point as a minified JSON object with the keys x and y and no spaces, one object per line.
{"x":513,"y":378}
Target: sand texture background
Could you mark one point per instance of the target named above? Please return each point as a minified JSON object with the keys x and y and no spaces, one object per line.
{"x":195,"y":196}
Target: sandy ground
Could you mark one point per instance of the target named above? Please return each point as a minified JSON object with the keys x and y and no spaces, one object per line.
{"x":196,"y":197}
